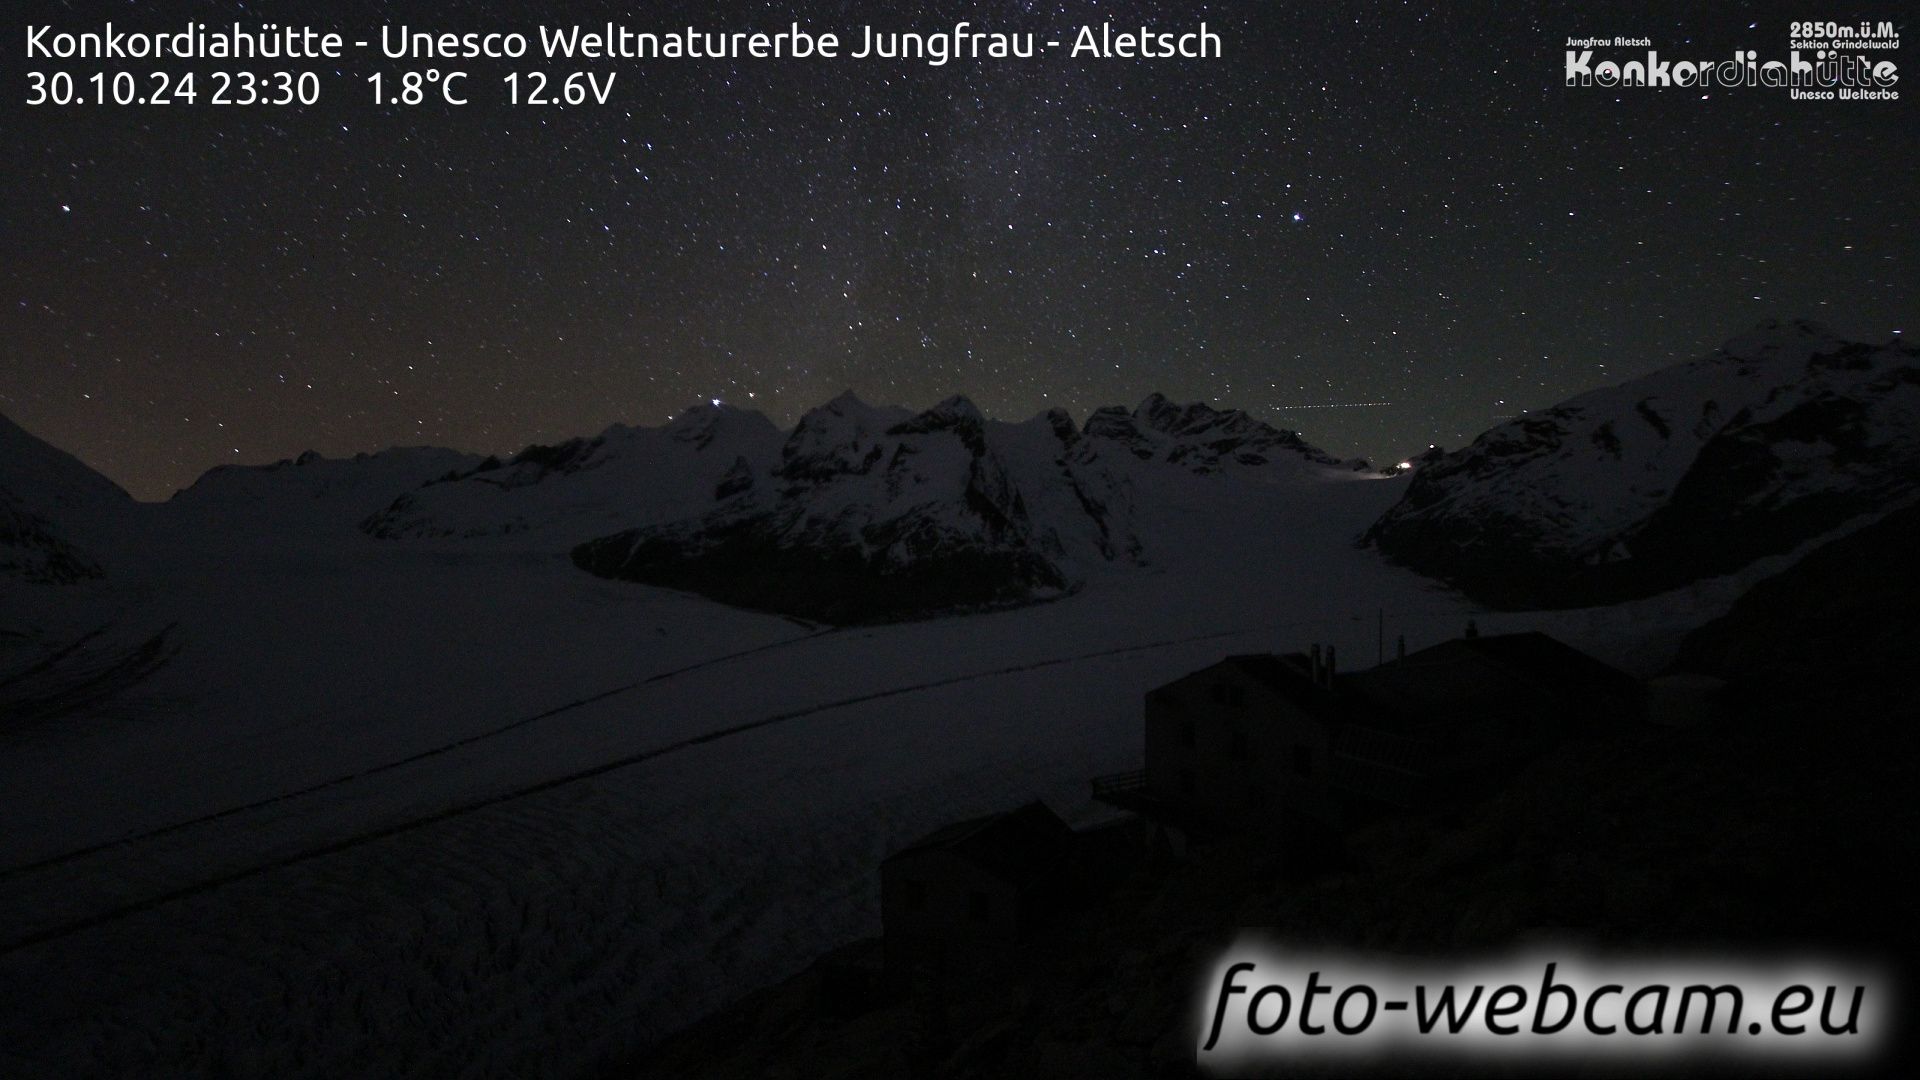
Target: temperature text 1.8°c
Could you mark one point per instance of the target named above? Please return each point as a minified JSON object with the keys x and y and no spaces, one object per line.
{"x":434,"y":86}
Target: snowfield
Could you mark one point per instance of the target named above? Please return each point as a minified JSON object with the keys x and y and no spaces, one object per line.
{"x":429,"y":807}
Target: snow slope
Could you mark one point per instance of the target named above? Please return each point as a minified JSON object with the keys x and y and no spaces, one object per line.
{"x":367,"y":806}
{"x":1782,"y":435}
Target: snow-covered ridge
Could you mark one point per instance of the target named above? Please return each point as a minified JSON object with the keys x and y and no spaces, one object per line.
{"x":343,"y":488}
{"x":584,"y":487}
{"x":1042,"y":500}
{"x":1205,"y":440}
{"x":56,"y":514}
{"x":1783,"y":434}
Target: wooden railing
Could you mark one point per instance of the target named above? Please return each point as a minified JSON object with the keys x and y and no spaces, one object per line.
{"x":1126,"y":783}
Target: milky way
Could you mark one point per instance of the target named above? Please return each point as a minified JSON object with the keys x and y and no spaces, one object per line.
{"x":1388,"y":206}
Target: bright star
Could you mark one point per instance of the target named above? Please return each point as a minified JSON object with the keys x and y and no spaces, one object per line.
{"x":1297,"y":216}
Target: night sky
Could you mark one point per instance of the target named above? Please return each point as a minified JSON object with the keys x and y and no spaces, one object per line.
{"x":1381,"y":225}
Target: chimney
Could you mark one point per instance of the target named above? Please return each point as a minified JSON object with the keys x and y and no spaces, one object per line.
{"x":1313,"y":663}
{"x":1403,"y":647}
{"x":1326,"y":672}
{"x":1473,"y":629}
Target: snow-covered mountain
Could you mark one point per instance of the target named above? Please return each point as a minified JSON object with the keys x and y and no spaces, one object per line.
{"x":859,"y":512}
{"x":55,"y":512}
{"x":876,"y":513}
{"x":1781,"y":436}
{"x":587,"y":487}
{"x":311,"y":491}
{"x":1205,"y":440}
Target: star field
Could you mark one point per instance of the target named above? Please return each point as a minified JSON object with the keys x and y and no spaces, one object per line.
{"x":1383,"y":225}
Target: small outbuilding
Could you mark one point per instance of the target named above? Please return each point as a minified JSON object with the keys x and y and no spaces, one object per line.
{"x":972,"y":886}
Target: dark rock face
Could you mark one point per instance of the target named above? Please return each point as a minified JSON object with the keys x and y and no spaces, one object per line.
{"x":875,"y":514}
{"x":1782,"y":436}
{"x":738,"y":478}
{"x":567,"y":457}
{"x":753,"y":563}
{"x":1843,"y":617}
{"x":31,"y":549}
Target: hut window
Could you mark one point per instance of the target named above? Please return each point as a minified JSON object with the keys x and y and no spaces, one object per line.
{"x":979,"y":906}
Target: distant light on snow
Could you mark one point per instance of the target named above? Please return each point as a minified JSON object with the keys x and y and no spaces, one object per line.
{"x":715,"y":401}
{"x":1404,"y":465}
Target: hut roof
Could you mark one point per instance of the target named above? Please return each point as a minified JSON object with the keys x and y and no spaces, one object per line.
{"x":1016,"y":845}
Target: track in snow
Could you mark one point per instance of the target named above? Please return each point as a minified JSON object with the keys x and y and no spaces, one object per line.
{"x":626,"y":761}
{"x":433,"y":752}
